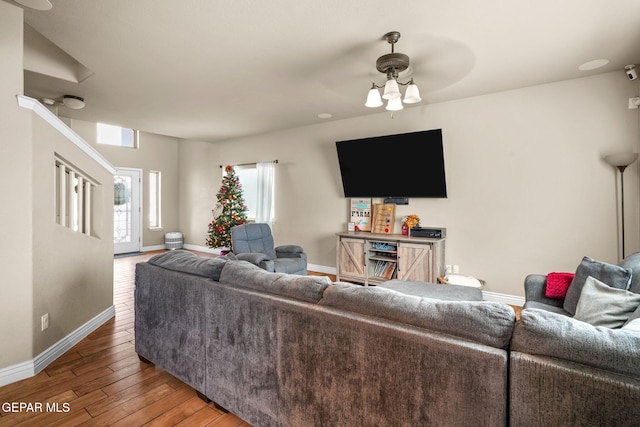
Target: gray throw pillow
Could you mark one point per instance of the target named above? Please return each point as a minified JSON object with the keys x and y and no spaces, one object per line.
{"x":632,"y":325}
{"x":632,"y":262}
{"x":612,"y":275}
{"x":602,"y":305}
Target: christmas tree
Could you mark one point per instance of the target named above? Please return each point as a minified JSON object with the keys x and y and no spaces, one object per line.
{"x":229,"y":212}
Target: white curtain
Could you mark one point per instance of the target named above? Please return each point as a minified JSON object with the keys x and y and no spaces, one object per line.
{"x":264,"y":209}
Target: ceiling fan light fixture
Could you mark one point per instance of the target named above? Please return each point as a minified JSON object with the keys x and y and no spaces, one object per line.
{"x":392,"y":64}
{"x":373,"y":98}
{"x":73,"y":102}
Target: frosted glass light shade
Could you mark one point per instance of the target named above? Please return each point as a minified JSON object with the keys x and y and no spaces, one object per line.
{"x":412,"y":95}
{"x":373,"y":99}
{"x":394,"y":104}
{"x":622,"y":159}
{"x":391,"y":90}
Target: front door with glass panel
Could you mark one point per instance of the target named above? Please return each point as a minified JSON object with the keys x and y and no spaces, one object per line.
{"x":126,"y":211}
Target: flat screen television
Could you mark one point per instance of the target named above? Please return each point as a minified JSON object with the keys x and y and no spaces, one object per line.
{"x":403,"y":165}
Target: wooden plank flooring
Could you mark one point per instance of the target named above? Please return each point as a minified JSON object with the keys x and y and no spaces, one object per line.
{"x":101,"y":382}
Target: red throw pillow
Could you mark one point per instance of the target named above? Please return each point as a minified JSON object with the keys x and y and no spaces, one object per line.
{"x":557,"y":284}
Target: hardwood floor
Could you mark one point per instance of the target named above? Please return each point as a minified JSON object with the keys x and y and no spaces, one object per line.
{"x":101,"y":382}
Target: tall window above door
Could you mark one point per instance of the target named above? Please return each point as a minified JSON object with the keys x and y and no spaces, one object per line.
{"x":116,"y":135}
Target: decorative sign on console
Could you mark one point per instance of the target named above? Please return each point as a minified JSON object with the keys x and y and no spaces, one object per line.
{"x":361,"y":214}
{"x":384,"y":216}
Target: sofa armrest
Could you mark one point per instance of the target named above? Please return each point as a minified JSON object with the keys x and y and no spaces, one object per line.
{"x":289,"y":249}
{"x":253,"y":257}
{"x":543,"y":333}
{"x":535,"y":286}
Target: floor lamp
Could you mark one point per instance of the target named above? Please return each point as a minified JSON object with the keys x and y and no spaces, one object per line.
{"x":621,"y":161}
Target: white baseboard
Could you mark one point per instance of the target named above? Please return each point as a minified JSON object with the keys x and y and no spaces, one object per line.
{"x":30,"y":368}
{"x":321,"y":269}
{"x":153,"y":248}
{"x":18,"y":372}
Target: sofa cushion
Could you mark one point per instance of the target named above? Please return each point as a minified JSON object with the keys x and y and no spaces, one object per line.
{"x":434,"y":290}
{"x":488,"y":323}
{"x":558,"y":284}
{"x":613,"y":275}
{"x":188,"y":262}
{"x":246,"y":275}
{"x":602,"y":305}
{"x":543,"y":333}
{"x":544,"y":306}
{"x":253,"y":238}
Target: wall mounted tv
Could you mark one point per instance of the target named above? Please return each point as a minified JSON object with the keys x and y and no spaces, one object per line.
{"x":403,"y":165}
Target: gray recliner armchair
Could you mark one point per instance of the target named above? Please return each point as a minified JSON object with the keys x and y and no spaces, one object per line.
{"x":254,"y":243}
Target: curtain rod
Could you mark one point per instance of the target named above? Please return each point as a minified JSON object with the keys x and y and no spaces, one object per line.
{"x":251,"y":164}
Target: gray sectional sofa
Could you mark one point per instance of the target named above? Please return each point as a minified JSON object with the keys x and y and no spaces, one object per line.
{"x":575,"y":360}
{"x":284,"y":350}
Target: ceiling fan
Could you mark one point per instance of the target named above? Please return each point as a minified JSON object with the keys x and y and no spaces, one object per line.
{"x":70,"y":101}
{"x":392,"y":64}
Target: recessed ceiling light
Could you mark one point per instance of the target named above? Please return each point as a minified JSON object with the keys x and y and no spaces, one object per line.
{"x":36,"y":4}
{"x":592,"y":65}
{"x":324,"y":116}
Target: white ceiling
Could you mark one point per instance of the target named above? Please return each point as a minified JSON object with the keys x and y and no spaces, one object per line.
{"x":214,"y":70}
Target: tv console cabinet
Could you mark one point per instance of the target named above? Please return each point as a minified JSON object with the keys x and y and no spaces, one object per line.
{"x":373,"y":258}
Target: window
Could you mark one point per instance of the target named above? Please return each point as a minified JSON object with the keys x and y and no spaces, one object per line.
{"x":155,"y":199}
{"x":74,"y":196}
{"x":116,"y":135}
{"x":248,"y":177}
{"x":257,"y":182}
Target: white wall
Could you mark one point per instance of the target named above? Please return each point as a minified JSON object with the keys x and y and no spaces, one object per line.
{"x":73,"y":285}
{"x":73,"y":272}
{"x":200,"y":180}
{"x":528,"y":190}
{"x":16,"y":255}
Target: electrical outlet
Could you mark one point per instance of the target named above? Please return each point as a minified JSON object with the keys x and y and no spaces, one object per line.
{"x":447,"y":269}
{"x":44,"y":320}
{"x":456,"y":269}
